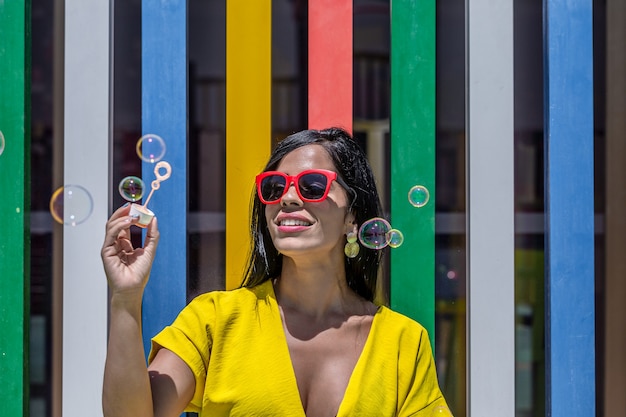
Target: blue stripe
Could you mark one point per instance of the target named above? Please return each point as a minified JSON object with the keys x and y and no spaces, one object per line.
{"x":570,"y":353}
{"x":164,"y":112}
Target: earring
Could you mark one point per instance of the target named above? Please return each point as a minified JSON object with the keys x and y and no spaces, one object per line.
{"x":352,"y":247}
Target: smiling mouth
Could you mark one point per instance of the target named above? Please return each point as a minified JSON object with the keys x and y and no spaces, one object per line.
{"x":293,"y":222}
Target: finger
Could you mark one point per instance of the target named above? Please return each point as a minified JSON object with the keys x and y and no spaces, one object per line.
{"x":116,"y":216}
{"x":116,"y":228}
{"x":152,"y":236}
{"x":124,"y":245}
{"x":121,"y":211}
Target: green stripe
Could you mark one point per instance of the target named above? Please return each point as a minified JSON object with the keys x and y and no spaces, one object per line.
{"x":413,"y":158}
{"x":14,"y":205}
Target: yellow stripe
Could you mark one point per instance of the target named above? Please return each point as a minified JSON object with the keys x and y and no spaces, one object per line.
{"x":248,"y":120}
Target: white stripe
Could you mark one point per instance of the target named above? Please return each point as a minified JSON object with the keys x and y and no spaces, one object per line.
{"x":86,"y":163}
{"x":490,"y":209}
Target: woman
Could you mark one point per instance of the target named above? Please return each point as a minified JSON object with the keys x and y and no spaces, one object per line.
{"x":302,"y":336}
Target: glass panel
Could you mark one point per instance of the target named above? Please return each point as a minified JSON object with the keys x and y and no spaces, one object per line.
{"x":207,"y":146}
{"x":529,"y":206}
{"x":126,"y":99}
{"x":450,"y":241}
{"x":42,"y":155}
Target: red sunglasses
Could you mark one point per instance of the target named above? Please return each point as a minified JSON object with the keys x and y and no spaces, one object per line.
{"x":311,"y":185}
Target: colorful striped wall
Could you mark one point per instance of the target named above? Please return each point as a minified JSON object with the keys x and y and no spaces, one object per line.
{"x":14,"y":205}
{"x":86,"y":163}
{"x":248,"y":120}
{"x":164,"y":112}
{"x":413,"y":158}
{"x":489,"y":154}
{"x":569,"y":219}
{"x":330,"y":85}
{"x":490,"y":208}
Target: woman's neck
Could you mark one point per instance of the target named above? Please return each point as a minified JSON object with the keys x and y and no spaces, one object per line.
{"x":318,"y":290}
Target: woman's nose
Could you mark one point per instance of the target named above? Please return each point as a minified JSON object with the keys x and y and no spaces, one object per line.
{"x":291,"y":196}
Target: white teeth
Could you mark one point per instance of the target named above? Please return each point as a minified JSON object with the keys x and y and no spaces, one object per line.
{"x":294,"y":222}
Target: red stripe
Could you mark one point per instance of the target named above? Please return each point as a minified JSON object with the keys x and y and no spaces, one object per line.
{"x":330,"y":64}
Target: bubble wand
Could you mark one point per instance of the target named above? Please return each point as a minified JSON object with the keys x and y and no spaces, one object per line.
{"x":144,"y":214}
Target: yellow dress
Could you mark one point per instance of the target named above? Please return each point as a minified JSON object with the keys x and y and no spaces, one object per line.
{"x":235,"y":344}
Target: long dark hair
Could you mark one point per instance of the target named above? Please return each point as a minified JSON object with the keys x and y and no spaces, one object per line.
{"x":265,"y":262}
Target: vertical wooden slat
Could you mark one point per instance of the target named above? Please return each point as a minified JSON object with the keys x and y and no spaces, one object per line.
{"x":86,"y":163}
{"x":330,"y":64}
{"x":14,"y":205}
{"x":569,"y":176}
{"x":164,"y":113}
{"x":248,"y":120}
{"x":413,"y":158}
{"x":56,"y":297}
{"x":490,"y":208}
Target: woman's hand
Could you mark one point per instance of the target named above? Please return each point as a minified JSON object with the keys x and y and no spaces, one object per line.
{"x":127,"y":268}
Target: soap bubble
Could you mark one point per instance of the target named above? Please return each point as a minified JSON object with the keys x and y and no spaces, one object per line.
{"x":151,"y":148}
{"x":395,"y":238}
{"x":373,"y":233}
{"x":1,"y":142}
{"x":71,"y":205}
{"x":131,"y":188}
{"x":418,"y":196}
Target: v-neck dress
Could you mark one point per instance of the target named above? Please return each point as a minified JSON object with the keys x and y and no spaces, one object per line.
{"x":235,"y":344}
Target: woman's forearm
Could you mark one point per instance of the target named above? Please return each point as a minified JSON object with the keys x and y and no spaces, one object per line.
{"x":126,"y":389}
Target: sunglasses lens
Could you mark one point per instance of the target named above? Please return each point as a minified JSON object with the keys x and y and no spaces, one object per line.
{"x":313,"y":186}
{"x":272,"y":187}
